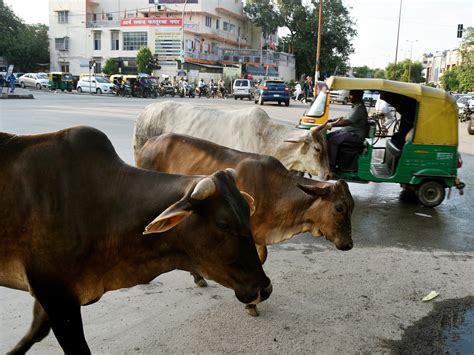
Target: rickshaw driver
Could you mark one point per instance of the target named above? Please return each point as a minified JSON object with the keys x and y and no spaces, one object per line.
{"x":354,"y":127}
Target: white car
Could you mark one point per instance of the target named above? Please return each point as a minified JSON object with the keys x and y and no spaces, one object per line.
{"x":35,"y":80}
{"x":243,"y":88}
{"x":96,"y":84}
{"x":341,"y":96}
{"x":461,"y":102}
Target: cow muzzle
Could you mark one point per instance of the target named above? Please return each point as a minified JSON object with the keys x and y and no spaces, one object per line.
{"x":262,"y":294}
{"x":345,"y":246}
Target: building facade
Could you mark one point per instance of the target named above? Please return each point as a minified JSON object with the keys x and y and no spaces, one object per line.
{"x":435,"y":65}
{"x":203,"y":36}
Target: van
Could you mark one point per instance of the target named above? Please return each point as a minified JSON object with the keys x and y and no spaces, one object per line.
{"x":243,"y":88}
{"x":341,"y":96}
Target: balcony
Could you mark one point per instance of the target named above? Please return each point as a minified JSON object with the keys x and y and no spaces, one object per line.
{"x":103,"y":23}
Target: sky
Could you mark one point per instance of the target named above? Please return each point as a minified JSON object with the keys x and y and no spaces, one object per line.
{"x":426,"y":26}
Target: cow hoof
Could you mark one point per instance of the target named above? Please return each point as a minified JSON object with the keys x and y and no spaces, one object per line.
{"x":252,"y":310}
{"x":201,"y":283}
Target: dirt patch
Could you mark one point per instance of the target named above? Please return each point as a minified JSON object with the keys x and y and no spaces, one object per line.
{"x":448,"y":328}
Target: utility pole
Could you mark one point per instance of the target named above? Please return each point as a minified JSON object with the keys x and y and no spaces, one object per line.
{"x":182,"y":34}
{"x":398,"y":33}
{"x":318,"y":47}
{"x":411,"y":52}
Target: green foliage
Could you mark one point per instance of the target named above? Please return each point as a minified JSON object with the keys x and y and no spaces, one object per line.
{"x":302,"y":23}
{"x":363,"y":72}
{"x":465,"y":71}
{"x":379,"y":73}
{"x":110,"y":67}
{"x":406,"y":70}
{"x":143,"y":58}
{"x":25,"y":46}
{"x":450,"y":81}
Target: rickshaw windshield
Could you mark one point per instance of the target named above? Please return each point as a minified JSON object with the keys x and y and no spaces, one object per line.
{"x":67,"y":77}
{"x":318,"y":107}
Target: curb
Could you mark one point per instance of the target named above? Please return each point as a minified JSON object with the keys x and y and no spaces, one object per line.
{"x":17,"y":96}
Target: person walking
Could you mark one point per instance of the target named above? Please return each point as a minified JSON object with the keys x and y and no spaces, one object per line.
{"x":12,"y":82}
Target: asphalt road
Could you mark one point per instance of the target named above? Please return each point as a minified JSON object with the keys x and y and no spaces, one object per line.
{"x":324,"y":301}
{"x":446,"y":227}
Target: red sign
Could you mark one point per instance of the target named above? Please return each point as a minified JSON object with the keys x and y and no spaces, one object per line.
{"x":150,"y":21}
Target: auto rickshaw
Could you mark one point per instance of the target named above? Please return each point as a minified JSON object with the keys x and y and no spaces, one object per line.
{"x":60,"y":81}
{"x":421,"y":155}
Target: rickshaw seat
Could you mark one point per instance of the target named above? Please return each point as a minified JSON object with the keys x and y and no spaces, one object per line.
{"x":392,"y":155}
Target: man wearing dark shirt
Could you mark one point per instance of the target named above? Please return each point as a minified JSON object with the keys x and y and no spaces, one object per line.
{"x":354,"y":126}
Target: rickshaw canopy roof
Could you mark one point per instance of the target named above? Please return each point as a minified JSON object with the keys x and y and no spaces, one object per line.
{"x":437,"y":118}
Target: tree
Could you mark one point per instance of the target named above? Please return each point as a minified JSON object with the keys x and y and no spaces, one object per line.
{"x":25,"y":46}
{"x":450,"y":81}
{"x":302,"y":23}
{"x":406,"y":70}
{"x":465,"y":71}
{"x":144,"y":57}
{"x":379,"y":74}
{"x":110,"y":67}
{"x":363,"y":72}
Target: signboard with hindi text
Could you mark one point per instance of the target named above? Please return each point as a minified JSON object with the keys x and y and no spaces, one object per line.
{"x":151,"y":21}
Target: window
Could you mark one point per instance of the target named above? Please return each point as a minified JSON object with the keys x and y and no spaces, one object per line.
{"x":97,"y":37}
{"x":231,"y":27}
{"x":133,"y":41}
{"x":65,"y":67}
{"x":208,"y":21}
{"x":63,"y":16}
{"x":110,"y":17}
{"x":226,"y":26}
{"x":115,"y":36}
{"x":217,"y":24}
{"x":62,"y":44}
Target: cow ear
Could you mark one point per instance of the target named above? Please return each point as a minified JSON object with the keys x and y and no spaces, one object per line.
{"x":169,"y":218}
{"x":250,"y":200}
{"x":314,"y":190}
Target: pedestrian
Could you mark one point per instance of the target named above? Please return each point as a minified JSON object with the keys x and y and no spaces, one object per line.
{"x":307,"y":87}
{"x":12,"y":81}
{"x":382,"y":107}
{"x":354,"y":127}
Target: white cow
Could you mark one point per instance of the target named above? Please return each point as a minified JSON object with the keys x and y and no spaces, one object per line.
{"x":249,"y":130}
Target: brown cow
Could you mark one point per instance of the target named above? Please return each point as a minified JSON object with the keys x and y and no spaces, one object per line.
{"x":72,"y":219}
{"x":286,"y":205}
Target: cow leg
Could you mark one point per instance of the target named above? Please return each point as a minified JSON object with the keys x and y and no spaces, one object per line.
{"x":64,"y":315}
{"x":199,"y":280}
{"x":39,"y":329}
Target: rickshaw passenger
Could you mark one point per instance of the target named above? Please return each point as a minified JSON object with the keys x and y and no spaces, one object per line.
{"x":354,"y":126}
{"x":406,"y":106}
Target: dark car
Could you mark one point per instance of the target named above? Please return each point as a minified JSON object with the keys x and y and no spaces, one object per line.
{"x":272,"y":90}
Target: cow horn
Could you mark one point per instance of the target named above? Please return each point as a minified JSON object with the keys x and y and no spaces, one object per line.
{"x":232,"y":173}
{"x":315,"y":130}
{"x":204,"y":188}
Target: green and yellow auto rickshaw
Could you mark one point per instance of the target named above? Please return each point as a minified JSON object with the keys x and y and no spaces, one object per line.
{"x":421,"y":153}
{"x":60,"y":81}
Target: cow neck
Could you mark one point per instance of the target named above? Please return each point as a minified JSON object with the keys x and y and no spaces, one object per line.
{"x":143,"y":195}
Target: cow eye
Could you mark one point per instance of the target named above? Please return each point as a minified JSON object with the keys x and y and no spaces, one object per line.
{"x":317,"y":149}
{"x":339,"y":209}
{"x":223,"y":225}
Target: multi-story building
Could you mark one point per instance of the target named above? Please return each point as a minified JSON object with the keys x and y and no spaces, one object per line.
{"x":190,"y":35}
{"x":435,"y":65}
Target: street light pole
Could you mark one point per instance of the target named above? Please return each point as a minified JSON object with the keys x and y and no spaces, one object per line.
{"x":411,"y":52}
{"x":318,"y":46}
{"x":398,"y":33}
{"x":182,"y":34}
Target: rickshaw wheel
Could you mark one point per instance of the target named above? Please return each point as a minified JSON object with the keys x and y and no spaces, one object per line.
{"x":430,"y":193}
